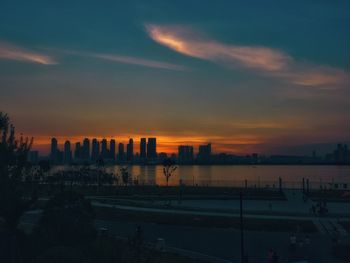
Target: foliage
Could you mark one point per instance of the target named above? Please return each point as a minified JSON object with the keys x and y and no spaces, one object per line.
{"x":67,"y":220}
{"x":13,"y":164}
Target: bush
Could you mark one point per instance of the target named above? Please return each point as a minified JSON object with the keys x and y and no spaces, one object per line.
{"x":67,"y":220}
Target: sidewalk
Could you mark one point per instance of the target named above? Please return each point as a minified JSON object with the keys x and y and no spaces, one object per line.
{"x":293,"y":206}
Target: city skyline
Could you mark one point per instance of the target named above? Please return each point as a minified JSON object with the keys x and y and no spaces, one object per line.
{"x":165,"y":144}
{"x":94,"y":151}
{"x":94,"y":148}
{"x":225,"y":73}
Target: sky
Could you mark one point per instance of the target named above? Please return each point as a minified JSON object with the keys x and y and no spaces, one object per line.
{"x":247,"y":76}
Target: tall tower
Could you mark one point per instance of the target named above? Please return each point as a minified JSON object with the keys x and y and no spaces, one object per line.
{"x":152,"y":148}
{"x":95,"y":153}
{"x":86,"y":149}
{"x":143,"y":149}
{"x":104,"y":150}
{"x":204,"y":154}
{"x":77,"y":152}
{"x":54,"y":151}
{"x":112,"y":149}
{"x":121,"y":153}
{"x":130,"y":151}
{"x":67,"y":156}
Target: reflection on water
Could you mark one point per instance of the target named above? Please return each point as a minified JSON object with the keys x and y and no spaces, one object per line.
{"x":234,"y":175}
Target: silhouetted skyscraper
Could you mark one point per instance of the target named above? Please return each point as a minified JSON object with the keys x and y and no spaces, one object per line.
{"x":121,"y":154}
{"x":152,"y":148}
{"x":95,"y":153}
{"x":143,"y":154}
{"x":112,"y":149}
{"x":130,"y":151}
{"x":86,"y":149}
{"x":342,"y":154}
{"x":67,"y":155}
{"x":54,"y":151}
{"x":77,"y":151}
{"x":185,"y":154}
{"x":104,"y":150}
{"x":204,"y":154}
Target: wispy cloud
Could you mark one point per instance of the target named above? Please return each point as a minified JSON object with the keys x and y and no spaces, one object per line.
{"x":12,"y":52}
{"x":138,"y":61}
{"x":267,"y":61}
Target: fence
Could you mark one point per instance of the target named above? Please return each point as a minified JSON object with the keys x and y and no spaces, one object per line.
{"x":277,"y":184}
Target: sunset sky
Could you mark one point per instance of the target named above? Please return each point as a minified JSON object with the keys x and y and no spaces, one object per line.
{"x":244,"y":75}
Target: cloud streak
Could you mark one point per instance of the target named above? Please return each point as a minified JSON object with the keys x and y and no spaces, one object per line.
{"x":13,"y":52}
{"x":267,"y":61}
{"x":139,"y":61}
{"x":132,"y":60}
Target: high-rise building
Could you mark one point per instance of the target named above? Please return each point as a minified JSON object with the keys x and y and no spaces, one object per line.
{"x":77,"y":151}
{"x":67,"y":154}
{"x":152,"y":149}
{"x":185,"y":154}
{"x":143,"y":144}
{"x":54,"y":151}
{"x":112,"y":149}
{"x":341,"y":154}
{"x":104,"y":149}
{"x":59,"y":157}
{"x":204,"y":154}
{"x":95,"y":152}
{"x":121,"y":154}
{"x":86,"y":149}
{"x":130,"y":151}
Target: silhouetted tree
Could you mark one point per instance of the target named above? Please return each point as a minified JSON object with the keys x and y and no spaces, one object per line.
{"x":169,"y":168}
{"x":13,"y":161}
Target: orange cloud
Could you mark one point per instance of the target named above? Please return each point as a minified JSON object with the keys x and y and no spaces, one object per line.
{"x":267,"y":61}
{"x":13,"y":52}
{"x":180,"y":40}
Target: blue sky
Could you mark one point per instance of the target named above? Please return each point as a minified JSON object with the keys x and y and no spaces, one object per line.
{"x":245,"y":75}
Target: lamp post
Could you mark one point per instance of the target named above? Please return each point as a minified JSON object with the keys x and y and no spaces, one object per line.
{"x":241,"y":226}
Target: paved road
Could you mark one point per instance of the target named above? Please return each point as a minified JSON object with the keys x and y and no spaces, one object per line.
{"x":294,"y":205}
{"x":204,"y":213}
{"x":225,"y":243}
{"x":219,"y":242}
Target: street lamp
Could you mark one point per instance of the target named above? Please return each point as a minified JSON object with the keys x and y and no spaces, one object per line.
{"x":241,"y":226}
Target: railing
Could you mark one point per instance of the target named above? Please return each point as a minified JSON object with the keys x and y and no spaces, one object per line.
{"x":259,"y":184}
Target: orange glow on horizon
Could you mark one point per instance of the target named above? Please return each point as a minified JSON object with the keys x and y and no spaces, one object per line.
{"x":167,"y":144}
